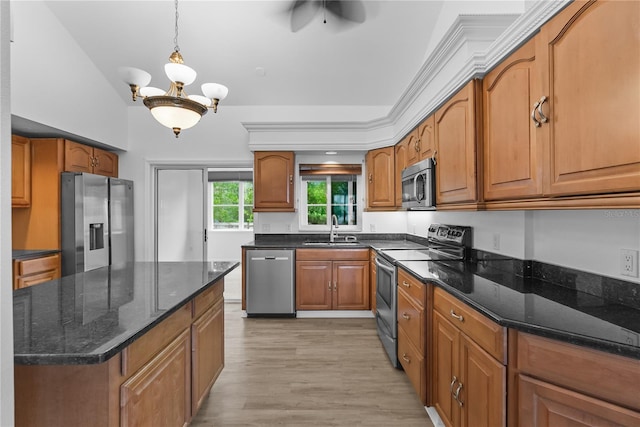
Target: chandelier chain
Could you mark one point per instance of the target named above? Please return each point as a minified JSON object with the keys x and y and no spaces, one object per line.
{"x":175,"y":39}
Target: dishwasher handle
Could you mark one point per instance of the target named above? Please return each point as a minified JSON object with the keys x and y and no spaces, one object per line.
{"x":270,"y":258}
{"x":383,"y":266}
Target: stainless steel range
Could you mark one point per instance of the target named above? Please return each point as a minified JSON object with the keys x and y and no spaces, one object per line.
{"x":446,"y":243}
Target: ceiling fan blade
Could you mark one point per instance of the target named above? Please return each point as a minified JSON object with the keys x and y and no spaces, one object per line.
{"x":302,"y":12}
{"x":351,"y":10}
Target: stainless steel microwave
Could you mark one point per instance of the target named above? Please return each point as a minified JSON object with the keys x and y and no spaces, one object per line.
{"x":418,"y":186}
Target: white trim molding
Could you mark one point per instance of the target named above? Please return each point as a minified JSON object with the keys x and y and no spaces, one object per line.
{"x":472,"y":46}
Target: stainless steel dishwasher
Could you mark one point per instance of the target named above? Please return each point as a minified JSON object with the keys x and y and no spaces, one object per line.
{"x":270,"y":285}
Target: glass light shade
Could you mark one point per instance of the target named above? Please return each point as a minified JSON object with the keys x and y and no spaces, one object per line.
{"x":134,"y":76}
{"x":201,"y":99}
{"x":215,"y":91}
{"x":175,"y":117}
{"x":151,"y":91}
{"x":180,"y":73}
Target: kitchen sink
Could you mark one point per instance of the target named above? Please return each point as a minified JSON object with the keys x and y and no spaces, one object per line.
{"x":331,"y":243}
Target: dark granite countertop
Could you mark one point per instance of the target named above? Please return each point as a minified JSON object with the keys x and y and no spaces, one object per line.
{"x":301,"y":241}
{"x":22,"y":254}
{"x":535,"y":306}
{"x":89,"y":317}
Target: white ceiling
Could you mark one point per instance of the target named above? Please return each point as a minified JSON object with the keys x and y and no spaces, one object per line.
{"x":226,"y":41}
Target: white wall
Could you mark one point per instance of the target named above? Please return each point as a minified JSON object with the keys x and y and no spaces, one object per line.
{"x":54,"y":83}
{"x":6,"y":292}
{"x":225,"y":245}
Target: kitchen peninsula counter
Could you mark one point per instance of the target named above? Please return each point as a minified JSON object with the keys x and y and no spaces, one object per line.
{"x":136,"y":344}
{"x":89,"y":317}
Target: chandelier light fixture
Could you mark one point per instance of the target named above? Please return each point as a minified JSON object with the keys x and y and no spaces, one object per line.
{"x":174,"y":108}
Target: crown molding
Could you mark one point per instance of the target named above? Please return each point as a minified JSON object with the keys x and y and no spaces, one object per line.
{"x":492,"y":38}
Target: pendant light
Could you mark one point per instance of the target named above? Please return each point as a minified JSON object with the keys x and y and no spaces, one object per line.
{"x":174,"y":108}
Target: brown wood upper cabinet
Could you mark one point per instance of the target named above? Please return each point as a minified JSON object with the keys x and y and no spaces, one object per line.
{"x":426,"y":138}
{"x":83,"y":158}
{"x":273,"y":178}
{"x":512,"y":152}
{"x":381,"y":178}
{"x":456,"y":147}
{"x":590,"y":62}
{"x":20,"y":171}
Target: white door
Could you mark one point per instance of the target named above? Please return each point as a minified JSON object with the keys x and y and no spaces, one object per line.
{"x":180,"y":214}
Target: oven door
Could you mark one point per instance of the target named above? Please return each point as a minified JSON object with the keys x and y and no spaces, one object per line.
{"x":386,"y":308}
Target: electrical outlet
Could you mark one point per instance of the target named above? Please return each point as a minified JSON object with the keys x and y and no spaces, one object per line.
{"x":288,"y":227}
{"x":372,"y":228}
{"x":629,"y":262}
{"x":496,"y":241}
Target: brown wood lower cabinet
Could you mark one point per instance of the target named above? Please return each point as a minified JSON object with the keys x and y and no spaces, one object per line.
{"x":469,"y":381}
{"x":160,"y":379}
{"x":29,"y":272}
{"x":158,"y":394}
{"x":328,"y":279}
{"x":559,"y":384}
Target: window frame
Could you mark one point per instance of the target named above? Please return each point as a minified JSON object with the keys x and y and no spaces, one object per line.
{"x":302,"y":198}
{"x":241,"y":207}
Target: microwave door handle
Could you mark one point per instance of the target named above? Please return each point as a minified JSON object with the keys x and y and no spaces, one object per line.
{"x":415,"y":188}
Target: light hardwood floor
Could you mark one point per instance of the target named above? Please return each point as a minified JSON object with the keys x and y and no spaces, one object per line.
{"x":307,"y":372}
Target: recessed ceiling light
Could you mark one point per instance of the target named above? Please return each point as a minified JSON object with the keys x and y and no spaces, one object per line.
{"x":331,"y":153}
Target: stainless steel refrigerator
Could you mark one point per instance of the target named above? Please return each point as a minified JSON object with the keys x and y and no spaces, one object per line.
{"x":96,"y":221}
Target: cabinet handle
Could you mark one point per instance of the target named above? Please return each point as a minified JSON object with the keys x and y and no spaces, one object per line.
{"x":543,"y":118}
{"x":536,"y":123}
{"x":406,"y":316}
{"x":290,"y":179}
{"x":417,"y":146}
{"x":457,"y":395}
{"x":434,"y":157}
{"x":370,"y":178}
{"x":329,"y":284}
{"x":456,"y":316}
{"x":405,"y":284}
{"x":335,"y":285}
{"x":405,"y":358}
{"x":453,"y":381}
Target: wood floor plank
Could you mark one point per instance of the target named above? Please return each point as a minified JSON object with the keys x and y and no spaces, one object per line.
{"x":307,"y":372}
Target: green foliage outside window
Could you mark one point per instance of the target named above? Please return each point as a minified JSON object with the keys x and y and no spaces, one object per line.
{"x":342,"y":202}
{"x":227,"y":204}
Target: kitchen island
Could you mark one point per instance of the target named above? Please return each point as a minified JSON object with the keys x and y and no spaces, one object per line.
{"x":137,"y":344}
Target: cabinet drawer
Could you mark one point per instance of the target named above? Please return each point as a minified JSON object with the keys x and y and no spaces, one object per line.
{"x":486,"y":333}
{"x":413,"y":364}
{"x":601,"y":375}
{"x":206,"y":299}
{"x":412,"y":286}
{"x":151,"y":343}
{"x":411,"y":318}
{"x":37,"y":265}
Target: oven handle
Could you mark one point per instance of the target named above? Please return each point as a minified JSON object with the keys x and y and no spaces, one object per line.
{"x":383,"y":266}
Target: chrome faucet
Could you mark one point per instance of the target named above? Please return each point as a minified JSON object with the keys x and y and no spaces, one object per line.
{"x":334,"y":225}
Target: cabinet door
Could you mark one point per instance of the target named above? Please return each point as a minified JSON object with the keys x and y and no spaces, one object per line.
{"x":207,"y":352}
{"x":313,"y":285}
{"x":20,"y":171}
{"x":590,"y":59}
{"x":456,"y":167}
{"x":445,"y":360}
{"x":381,"y":178}
{"x":427,"y":137}
{"x":512,"y":154}
{"x":401,"y":163}
{"x":273,"y":181}
{"x":351,"y":285}
{"x":542,"y":404}
{"x":105,"y":163}
{"x":159,"y":394}
{"x":78,"y":157}
{"x":482,"y":387}
{"x":413,"y":147}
